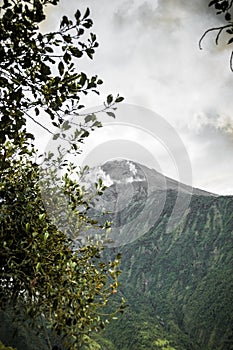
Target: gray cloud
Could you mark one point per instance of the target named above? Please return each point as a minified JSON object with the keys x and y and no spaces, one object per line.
{"x":149,"y":53}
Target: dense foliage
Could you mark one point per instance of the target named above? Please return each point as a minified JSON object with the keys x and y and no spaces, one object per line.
{"x":59,"y":286}
{"x":38,"y":73}
{"x":39,"y":268}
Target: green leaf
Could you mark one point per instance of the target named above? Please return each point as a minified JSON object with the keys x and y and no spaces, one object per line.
{"x":111,"y":114}
{"x":90,"y":117}
{"x":46,"y":235}
{"x":38,"y":265}
{"x":66,"y":125}
{"x":56,"y":136}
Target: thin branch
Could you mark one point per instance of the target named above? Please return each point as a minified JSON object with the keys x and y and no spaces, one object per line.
{"x":231,"y":61}
{"x":220,"y":29}
{"x":38,"y":123}
{"x":44,"y":127}
{"x":218,"y":35}
{"x":104,"y":109}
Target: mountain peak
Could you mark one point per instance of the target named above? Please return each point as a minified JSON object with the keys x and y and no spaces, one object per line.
{"x":127,"y":171}
{"x":123,"y":170}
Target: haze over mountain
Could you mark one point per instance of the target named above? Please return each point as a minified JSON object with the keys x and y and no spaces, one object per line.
{"x":126,"y":171}
{"x":177,"y":275}
{"x":135,"y":198}
{"x":178,"y":281}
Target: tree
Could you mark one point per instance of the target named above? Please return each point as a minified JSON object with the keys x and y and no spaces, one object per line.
{"x":57,"y":282}
{"x":38,"y":73}
{"x":222,"y":7}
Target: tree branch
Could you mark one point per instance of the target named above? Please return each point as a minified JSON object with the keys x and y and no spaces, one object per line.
{"x":220,"y":29}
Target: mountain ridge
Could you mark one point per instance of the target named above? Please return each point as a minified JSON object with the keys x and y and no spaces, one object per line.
{"x":135,"y":197}
{"x":117,"y":168}
{"x":178,"y":282}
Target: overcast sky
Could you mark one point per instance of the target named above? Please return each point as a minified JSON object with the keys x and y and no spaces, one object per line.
{"x":149,"y":54}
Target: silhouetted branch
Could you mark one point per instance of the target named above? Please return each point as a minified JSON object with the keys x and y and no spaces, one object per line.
{"x":220,"y":29}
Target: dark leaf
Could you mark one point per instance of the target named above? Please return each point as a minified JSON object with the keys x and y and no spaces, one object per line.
{"x":6,"y":4}
{"x":61,"y":68}
{"x":85,"y":134}
{"x":93,"y":37}
{"x":76,"y":52}
{"x":88,"y":24}
{"x":109,"y":99}
{"x":80,"y":31}
{"x":45,"y":70}
{"x":87,"y":13}
{"x":67,"y":38}
{"x":55,"y":136}
{"x":213,"y":2}
{"x":50,"y":112}
{"x":49,"y":49}
{"x":227,"y":16}
{"x":64,"y":22}
{"x":90,"y":53}
{"x":83,"y":79}
{"x":119,"y":99}
{"x":77,"y":15}
{"x":67,"y":57}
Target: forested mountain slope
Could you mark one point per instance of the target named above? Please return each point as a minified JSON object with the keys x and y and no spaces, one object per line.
{"x":180,"y":283}
{"x":177,"y":279}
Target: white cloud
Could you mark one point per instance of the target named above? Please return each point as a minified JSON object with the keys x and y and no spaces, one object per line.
{"x":149,"y":53}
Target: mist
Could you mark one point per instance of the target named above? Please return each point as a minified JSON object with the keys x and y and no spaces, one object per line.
{"x":149,"y":53}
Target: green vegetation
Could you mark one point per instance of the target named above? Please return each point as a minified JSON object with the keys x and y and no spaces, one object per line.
{"x":2,"y":347}
{"x":179,"y":285}
{"x":47,"y":282}
{"x":54,"y":293}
